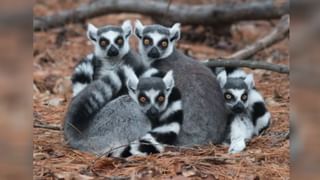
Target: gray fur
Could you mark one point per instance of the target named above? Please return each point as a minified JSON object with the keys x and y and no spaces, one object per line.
{"x":157,"y":28}
{"x":205,"y":115}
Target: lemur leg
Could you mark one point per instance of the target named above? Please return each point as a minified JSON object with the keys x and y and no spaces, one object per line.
{"x":237,"y":136}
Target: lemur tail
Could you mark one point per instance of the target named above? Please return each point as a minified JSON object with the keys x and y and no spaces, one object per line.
{"x":83,"y":75}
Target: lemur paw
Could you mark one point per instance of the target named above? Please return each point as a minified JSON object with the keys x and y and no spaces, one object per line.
{"x":236,"y":147}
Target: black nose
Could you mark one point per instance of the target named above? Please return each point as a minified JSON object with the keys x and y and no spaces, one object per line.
{"x":154,"y":53}
{"x":238,"y":108}
{"x":113,"y":51}
{"x":153,"y":113}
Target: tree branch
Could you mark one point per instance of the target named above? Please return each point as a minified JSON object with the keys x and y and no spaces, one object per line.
{"x":47,"y":126}
{"x":208,"y":14}
{"x":248,"y":63}
{"x":279,"y":33}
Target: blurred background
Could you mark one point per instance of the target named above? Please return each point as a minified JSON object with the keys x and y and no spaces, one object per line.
{"x":51,"y":64}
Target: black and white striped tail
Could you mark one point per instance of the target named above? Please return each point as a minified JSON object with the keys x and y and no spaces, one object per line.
{"x":166,"y":132}
{"x":82,"y":75}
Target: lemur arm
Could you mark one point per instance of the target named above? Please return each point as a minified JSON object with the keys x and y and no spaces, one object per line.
{"x":165,"y":133}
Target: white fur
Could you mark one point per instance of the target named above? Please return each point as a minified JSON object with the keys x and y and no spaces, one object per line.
{"x":169,"y":80}
{"x":222,"y":78}
{"x":249,"y":80}
{"x":77,"y":87}
{"x":127,"y":27}
{"x":132,"y":79}
{"x":155,"y":143}
{"x":152,"y":94}
{"x":138,"y":28}
{"x":175,"y":106}
{"x":254,"y":96}
{"x":175,"y":29}
{"x":85,"y":68}
{"x":262,"y":122}
{"x":92,"y":32}
{"x":172,"y":127}
{"x":116,"y":81}
{"x":241,"y":130}
{"x":135,"y":149}
{"x":149,"y":72}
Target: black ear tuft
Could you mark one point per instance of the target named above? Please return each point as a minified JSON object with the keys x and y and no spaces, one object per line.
{"x":128,"y":34}
{"x":92,"y":37}
{"x":175,"y":37}
{"x":138,"y":34}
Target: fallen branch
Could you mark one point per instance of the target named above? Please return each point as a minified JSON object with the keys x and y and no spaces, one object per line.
{"x":47,"y":126}
{"x":249,"y":64}
{"x":279,"y":33}
{"x":208,"y":14}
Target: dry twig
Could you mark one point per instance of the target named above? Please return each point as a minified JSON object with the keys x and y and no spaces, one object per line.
{"x":209,"y":14}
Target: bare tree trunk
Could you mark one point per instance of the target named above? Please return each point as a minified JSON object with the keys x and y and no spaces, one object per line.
{"x":208,"y":14}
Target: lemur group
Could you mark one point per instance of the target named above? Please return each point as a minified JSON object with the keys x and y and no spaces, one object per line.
{"x":185,"y":102}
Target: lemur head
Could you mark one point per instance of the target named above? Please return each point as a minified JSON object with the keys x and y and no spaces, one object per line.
{"x":110,"y":42}
{"x":235,"y":91}
{"x":156,"y":41}
{"x":151,"y":93}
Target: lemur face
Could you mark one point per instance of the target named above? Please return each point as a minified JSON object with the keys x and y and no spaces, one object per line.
{"x":235,"y":92}
{"x":156,"y":41}
{"x":110,"y":42}
{"x":151,"y":93}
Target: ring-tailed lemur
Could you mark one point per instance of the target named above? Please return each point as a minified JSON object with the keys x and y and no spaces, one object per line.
{"x":244,"y":104}
{"x":112,"y":124}
{"x":111,"y":52}
{"x":160,"y":101}
{"x":202,"y":124}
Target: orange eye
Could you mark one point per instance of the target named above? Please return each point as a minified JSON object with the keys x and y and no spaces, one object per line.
{"x":103,"y":43}
{"x":160,"y":99}
{"x":120,"y":41}
{"x":146,"y":41}
{"x":142,"y":99}
{"x":164,"y":44}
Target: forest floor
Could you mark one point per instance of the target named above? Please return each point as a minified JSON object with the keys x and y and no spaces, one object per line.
{"x":57,"y":51}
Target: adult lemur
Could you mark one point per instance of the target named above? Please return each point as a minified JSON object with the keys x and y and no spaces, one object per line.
{"x":120,"y":121}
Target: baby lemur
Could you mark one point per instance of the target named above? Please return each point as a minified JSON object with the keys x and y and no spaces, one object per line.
{"x":160,"y":101}
{"x":248,"y":115}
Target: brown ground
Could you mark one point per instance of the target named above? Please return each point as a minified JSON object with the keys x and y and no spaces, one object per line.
{"x":57,"y":51}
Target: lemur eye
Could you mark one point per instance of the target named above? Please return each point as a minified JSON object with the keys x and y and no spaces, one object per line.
{"x":119,"y":41}
{"x":142,"y":99}
{"x":161,"y":99}
{"x":244,"y":97}
{"x":103,"y":42}
{"x":227,"y":96}
{"x":164,"y":43}
{"x":146,"y":41}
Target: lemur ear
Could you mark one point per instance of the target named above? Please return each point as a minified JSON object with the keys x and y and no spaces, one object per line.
{"x":132,"y":79}
{"x":169,"y":80}
{"x":92,"y":32}
{"x":222,"y":78}
{"x":175,"y":32}
{"x":138,"y":29}
{"x":127,"y":28}
{"x":249,"y":80}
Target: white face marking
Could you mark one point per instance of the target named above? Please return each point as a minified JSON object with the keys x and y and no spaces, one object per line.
{"x":237,"y":93}
{"x":172,"y":127}
{"x":152,"y":95}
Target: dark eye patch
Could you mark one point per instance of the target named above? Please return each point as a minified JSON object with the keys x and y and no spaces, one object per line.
{"x":163,"y":44}
{"x":160,"y":98}
{"x":228,"y":96}
{"x":103,"y":42}
{"x":244,"y":97}
{"x":119,"y":41}
{"x":147,"y":41}
{"x":143,"y":99}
